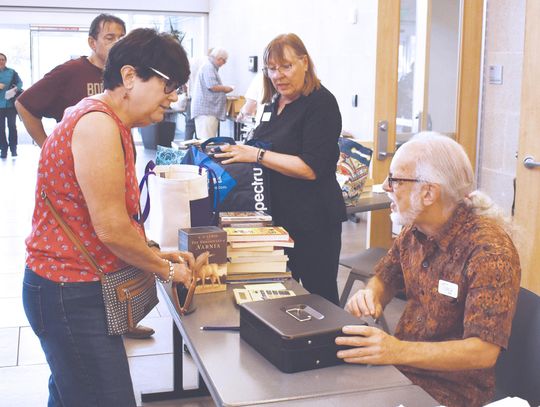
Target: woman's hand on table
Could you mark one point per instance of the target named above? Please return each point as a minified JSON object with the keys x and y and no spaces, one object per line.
{"x":238,"y":153}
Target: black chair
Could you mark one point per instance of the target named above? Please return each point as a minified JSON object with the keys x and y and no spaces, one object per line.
{"x":518,"y":368}
{"x":362,"y":266}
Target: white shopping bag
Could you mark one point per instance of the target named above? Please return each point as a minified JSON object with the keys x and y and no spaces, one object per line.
{"x":170,"y":191}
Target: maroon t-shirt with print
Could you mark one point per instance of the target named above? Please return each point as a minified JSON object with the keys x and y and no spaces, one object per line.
{"x":64,"y":86}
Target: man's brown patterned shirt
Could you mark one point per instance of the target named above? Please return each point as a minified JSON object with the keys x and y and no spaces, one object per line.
{"x":476,"y":254}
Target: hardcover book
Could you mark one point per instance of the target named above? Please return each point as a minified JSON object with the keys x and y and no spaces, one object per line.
{"x":253,"y":252}
{"x":209,"y":245}
{"x":267,"y":233}
{"x":269,"y":243}
{"x":259,"y":259}
{"x":244,"y":216}
{"x":261,"y":268}
{"x":258,"y":277}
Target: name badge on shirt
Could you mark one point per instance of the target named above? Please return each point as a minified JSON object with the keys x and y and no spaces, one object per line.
{"x":449,"y":289}
{"x":266,"y":116}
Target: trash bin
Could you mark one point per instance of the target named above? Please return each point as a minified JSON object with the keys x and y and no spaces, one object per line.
{"x":161,"y":133}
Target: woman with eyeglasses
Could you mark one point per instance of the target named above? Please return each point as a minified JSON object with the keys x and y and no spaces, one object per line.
{"x":302,"y":123}
{"x":87,"y":170}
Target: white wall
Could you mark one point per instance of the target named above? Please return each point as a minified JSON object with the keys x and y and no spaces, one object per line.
{"x":200,"y":6}
{"x":343,"y":53}
{"x":499,"y":134}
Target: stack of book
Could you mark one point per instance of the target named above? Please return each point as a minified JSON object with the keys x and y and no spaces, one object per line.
{"x":244,"y":219}
{"x":257,"y":254}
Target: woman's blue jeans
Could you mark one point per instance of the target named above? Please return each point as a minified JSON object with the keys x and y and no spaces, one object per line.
{"x":88,"y":367}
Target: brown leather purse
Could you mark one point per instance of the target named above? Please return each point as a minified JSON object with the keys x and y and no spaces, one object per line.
{"x":129,"y":294}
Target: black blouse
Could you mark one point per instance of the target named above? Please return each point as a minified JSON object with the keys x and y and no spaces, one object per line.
{"x":309,"y":128}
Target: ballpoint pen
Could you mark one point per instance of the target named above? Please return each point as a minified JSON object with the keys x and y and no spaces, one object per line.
{"x":220,"y":328}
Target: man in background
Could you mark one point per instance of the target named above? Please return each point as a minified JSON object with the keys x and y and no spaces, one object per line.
{"x":209,"y":97}
{"x":10,"y":82}
{"x":70,"y":82}
{"x":194,"y":66}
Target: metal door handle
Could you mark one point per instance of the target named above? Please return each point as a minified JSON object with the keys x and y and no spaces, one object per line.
{"x":529,"y":162}
{"x":382,"y":140}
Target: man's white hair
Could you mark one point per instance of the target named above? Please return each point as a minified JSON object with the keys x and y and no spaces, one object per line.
{"x":219,"y":53}
{"x":443,"y":161}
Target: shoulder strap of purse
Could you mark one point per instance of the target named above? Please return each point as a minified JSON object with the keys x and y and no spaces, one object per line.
{"x":71,"y":235}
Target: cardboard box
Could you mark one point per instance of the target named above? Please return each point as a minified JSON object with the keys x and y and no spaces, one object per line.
{"x":234,"y":104}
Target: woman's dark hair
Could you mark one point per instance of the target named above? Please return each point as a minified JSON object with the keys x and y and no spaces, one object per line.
{"x":143,"y":48}
{"x":276,"y":50}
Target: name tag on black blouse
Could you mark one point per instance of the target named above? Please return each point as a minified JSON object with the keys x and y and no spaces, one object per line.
{"x":266,"y":116}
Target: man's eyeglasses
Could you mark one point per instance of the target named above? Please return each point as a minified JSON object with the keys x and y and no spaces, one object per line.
{"x":170,"y":85}
{"x":392,"y":180}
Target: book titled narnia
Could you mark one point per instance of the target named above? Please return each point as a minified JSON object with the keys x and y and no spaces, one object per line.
{"x":209,"y":245}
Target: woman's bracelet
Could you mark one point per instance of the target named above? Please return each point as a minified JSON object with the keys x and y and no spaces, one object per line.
{"x":170,"y":278}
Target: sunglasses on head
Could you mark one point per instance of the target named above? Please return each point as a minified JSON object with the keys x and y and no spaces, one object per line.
{"x":170,"y":84}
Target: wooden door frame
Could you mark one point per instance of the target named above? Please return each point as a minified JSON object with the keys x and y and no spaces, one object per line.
{"x":469,"y":76}
{"x":527,"y":236}
{"x":468,"y":94}
{"x":388,"y":17}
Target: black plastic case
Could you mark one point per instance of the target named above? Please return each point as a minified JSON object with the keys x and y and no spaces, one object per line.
{"x":295,"y":333}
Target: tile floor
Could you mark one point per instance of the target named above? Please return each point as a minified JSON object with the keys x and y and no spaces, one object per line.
{"x":23,"y":370}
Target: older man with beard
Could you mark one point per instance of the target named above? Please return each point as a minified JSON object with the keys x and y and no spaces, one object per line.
{"x":460,"y":271}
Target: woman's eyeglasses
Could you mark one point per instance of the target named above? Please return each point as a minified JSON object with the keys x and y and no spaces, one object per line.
{"x":273,"y":70}
{"x":283,"y":69}
{"x":170,"y":85}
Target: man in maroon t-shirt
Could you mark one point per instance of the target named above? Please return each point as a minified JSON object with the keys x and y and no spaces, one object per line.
{"x":70,"y":82}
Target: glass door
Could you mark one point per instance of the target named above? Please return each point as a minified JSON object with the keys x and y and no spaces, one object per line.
{"x":428,"y":67}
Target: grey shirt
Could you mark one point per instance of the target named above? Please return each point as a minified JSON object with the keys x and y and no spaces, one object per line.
{"x":205,"y":101}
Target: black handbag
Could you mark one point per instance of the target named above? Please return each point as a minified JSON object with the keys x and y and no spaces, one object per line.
{"x":235,"y":186}
{"x":129,"y":294}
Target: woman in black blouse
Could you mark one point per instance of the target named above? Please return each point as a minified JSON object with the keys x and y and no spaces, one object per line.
{"x":302,"y":123}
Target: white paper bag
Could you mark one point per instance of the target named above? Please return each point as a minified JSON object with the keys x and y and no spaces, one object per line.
{"x":10,"y":93}
{"x":171,"y":190}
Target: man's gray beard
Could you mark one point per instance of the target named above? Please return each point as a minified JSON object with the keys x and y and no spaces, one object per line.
{"x":415,"y":207}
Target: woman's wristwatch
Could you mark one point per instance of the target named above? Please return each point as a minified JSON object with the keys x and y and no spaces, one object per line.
{"x":260,"y":154}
